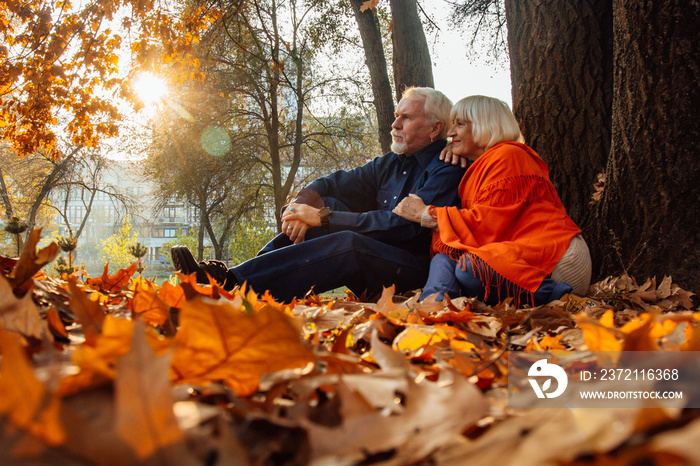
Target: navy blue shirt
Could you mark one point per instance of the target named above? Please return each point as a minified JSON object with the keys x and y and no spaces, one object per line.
{"x":369,"y":193}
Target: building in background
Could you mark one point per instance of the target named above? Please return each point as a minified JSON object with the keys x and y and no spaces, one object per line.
{"x":122,"y":191}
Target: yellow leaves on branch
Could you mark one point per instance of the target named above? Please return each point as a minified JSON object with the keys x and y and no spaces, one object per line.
{"x":73,"y":61}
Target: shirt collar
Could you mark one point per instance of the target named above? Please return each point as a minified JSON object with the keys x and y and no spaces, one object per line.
{"x":428,"y":153}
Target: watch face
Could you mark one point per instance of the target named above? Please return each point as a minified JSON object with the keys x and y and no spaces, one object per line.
{"x":324,"y":211}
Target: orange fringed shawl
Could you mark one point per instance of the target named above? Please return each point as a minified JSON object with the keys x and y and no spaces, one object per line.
{"x":511,"y":221}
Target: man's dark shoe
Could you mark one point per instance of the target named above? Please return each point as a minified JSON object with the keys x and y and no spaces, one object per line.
{"x":184,"y":262}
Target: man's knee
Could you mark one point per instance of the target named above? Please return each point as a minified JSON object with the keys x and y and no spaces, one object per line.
{"x":348,"y":240}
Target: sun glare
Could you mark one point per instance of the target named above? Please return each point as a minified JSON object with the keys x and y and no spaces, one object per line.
{"x":149,"y":88}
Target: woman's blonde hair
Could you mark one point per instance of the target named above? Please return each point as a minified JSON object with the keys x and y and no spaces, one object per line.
{"x":492,"y":120}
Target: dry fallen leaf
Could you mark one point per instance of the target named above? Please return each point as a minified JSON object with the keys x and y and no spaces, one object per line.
{"x":599,"y":335}
{"x":219,"y":342}
{"x":23,"y":398}
{"x":149,"y":306}
{"x":144,"y":402}
{"x":390,"y":413}
{"x":19,"y":314}
{"x":31,"y":261}
{"x":117,"y":282}
{"x":90,"y":314}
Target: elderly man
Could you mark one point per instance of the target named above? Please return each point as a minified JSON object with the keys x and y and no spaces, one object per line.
{"x":340,"y":229}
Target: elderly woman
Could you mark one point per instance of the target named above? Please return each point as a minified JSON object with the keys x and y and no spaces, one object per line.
{"x":511,"y":237}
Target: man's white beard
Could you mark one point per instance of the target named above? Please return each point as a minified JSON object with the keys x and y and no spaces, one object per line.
{"x":398,"y":147}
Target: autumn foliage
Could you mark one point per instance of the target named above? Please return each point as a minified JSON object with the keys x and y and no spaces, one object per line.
{"x":59,"y":63}
{"x":118,"y":370}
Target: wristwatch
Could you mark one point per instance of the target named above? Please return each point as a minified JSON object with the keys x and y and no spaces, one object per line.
{"x":325,"y":214}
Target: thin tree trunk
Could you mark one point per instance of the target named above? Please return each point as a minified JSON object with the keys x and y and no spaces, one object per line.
{"x":51,"y":181}
{"x":200,"y":231}
{"x":6,"y":201}
{"x":411,"y":59}
{"x":370,"y":33}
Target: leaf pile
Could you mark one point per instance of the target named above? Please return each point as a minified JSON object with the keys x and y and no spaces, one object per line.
{"x":118,"y":370}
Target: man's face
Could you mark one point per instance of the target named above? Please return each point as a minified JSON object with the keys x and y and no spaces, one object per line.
{"x":410,"y":131}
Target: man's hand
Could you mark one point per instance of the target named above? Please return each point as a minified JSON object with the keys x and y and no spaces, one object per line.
{"x":298,"y":218}
{"x":449,"y":157}
{"x":411,"y":208}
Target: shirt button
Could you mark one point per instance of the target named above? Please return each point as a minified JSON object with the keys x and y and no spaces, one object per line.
{"x":394,"y":197}
{"x":385,"y":201}
{"x":404,"y":173}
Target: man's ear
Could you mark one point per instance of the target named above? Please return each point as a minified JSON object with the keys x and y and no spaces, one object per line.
{"x":436,"y":130}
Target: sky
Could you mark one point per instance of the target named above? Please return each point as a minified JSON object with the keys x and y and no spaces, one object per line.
{"x":454,"y":73}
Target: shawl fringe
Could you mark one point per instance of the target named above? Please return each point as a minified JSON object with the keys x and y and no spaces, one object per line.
{"x":438,"y":247}
{"x":517,"y":189}
{"x":483,"y":272}
{"x":487,"y":274}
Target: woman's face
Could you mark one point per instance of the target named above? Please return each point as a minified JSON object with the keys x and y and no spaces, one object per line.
{"x":462,"y":140}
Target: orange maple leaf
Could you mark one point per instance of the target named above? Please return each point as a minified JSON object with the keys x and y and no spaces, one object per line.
{"x":144,"y":402}
{"x":600,"y":335}
{"x":31,"y":261}
{"x":55,"y":324}
{"x":546,"y":343}
{"x":98,"y":363}
{"x":90,"y":313}
{"x":452,"y":315}
{"x":172,"y":295}
{"x":640,"y":338}
{"x":23,"y":398}
{"x":218,"y":341}
{"x":116,"y":282}
{"x":149,"y":306}
{"x":369,"y":4}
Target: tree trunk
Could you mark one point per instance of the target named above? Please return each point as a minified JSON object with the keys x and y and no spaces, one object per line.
{"x":411,"y":60}
{"x":371,"y":36}
{"x":200,"y":231}
{"x":561,"y":72}
{"x":273,"y":132}
{"x":58,"y":170}
{"x":6,"y":201}
{"x":651,"y":205}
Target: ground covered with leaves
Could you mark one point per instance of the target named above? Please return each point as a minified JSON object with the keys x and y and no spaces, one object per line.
{"x":118,"y":370}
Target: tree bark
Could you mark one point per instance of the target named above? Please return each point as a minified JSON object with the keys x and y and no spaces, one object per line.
{"x":371,"y":36}
{"x":651,"y":205}
{"x":7,"y":203}
{"x":200,"y":231}
{"x":411,"y":58}
{"x":561,"y":73}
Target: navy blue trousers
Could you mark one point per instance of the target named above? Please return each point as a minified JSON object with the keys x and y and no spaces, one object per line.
{"x":328,"y":261}
{"x":446,"y":277}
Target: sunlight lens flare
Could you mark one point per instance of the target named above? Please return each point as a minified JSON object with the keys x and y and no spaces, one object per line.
{"x":149,"y":88}
{"x":215,"y":140}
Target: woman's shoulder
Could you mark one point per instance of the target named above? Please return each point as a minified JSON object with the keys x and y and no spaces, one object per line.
{"x":511,"y":149}
{"x":511,"y":158}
